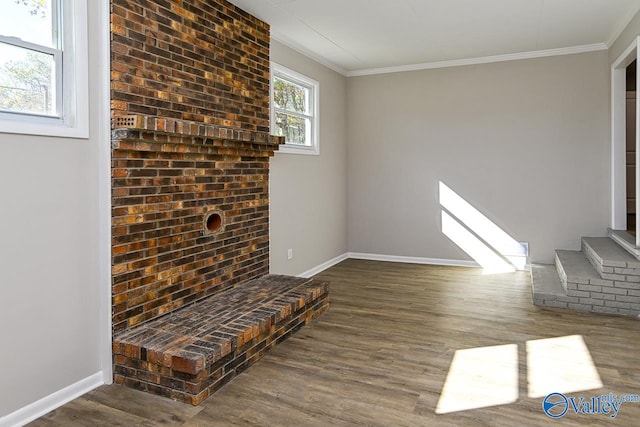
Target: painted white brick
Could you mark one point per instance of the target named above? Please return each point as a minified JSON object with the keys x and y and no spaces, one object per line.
{"x":591,"y":301}
{"x":590,"y":288}
{"x":626,"y":298}
{"x":575,"y":294}
{"x":617,"y":304}
{"x":555,"y":304}
{"x":633,"y":292}
{"x":578,"y":280}
{"x":600,"y":295}
{"x":607,"y":270}
{"x":581,"y":294}
{"x":627,"y":285}
{"x":580,"y":307}
{"x":610,"y":263}
{"x":600,"y":282}
{"x":611,"y":277}
{"x":572,"y":285}
{"x":612,"y":290}
{"x":633,"y":279}
{"x":630,"y":271}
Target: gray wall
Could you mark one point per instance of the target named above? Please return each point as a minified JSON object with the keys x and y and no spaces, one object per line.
{"x":526,"y":142}
{"x":626,"y":37}
{"x":308,"y":194}
{"x":50,"y":320}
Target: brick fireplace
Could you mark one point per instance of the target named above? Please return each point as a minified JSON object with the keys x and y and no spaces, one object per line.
{"x":190,"y":203}
{"x":190,"y":102}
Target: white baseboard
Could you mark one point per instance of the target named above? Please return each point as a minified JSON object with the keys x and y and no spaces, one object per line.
{"x":320,"y":268}
{"x":47,"y":404}
{"x":413,"y":260}
{"x":388,"y":258}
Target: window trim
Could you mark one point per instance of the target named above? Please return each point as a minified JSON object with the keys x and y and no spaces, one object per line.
{"x":73,"y":82}
{"x":288,"y":74}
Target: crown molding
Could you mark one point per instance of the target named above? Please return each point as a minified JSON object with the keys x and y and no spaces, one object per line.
{"x":480,"y":60}
{"x":442,"y":64}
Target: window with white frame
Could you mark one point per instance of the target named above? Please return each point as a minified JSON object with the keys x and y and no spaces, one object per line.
{"x":43,"y":67}
{"x":294,"y":110}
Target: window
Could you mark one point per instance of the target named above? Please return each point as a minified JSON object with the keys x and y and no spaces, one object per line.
{"x":294,"y":110}
{"x":43,"y":68}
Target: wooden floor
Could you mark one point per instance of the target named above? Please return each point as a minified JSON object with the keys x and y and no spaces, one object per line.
{"x":381,"y":354}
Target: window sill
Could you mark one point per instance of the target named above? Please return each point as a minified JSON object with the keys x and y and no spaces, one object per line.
{"x":42,"y":128}
{"x":293,"y":149}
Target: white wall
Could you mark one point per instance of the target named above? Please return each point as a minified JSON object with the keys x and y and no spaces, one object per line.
{"x":51,"y":309}
{"x":526,"y":142}
{"x":308,"y":194}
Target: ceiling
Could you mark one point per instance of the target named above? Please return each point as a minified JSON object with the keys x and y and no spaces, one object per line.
{"x":358,"y":37}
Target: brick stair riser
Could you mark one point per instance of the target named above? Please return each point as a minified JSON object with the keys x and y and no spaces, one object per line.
{"x":608,"y":296}
{"x":601,"y":296}
{"x":612,"y":270}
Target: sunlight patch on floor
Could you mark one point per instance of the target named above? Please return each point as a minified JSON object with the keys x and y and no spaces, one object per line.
{"x":561,"y":365}
{"x":480,"y":377}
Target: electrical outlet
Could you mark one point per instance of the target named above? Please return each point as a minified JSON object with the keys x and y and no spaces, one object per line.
{"x":289,"y":253}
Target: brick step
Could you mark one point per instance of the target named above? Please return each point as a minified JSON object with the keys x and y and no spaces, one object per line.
{"x":609,"y":258}
{"x":189,"y":354}
{"x":578,"y":286}
{"x":573,"y":267}
{"x":546,"y":286}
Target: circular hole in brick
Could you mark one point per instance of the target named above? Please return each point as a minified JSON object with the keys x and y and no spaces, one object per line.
{"x":213,"y":222}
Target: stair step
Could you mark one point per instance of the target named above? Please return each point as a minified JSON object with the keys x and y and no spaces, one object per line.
{"x":602,"y":279}
{"x":608,"y":253}
{"x":547,"y":289}
{"x":587,"y":291}
{"x":574,"y":267}
{"x":545,"y":283}
{"x":626,"y":241}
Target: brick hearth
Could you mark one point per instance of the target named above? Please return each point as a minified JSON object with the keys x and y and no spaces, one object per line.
{"x":192,"y":352}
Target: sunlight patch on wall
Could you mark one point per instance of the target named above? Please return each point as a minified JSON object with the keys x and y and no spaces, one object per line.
{"x":477,"y":235}
{"x":562,"y":365}
{"x":474,"y":247}
{"x":480,"y":377}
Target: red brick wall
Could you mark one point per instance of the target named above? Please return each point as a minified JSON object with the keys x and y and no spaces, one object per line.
{"x":190,"y":101}
{"x":196,"y":60}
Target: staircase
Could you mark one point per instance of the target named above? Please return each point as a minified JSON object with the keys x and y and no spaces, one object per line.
{"x":603,"y":277}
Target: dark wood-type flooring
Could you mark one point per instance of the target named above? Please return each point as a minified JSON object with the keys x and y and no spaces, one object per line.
{"x":381,"y":354}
